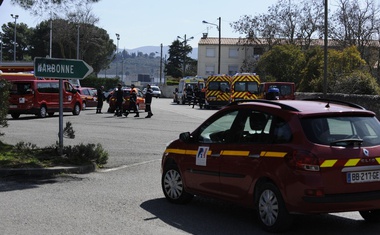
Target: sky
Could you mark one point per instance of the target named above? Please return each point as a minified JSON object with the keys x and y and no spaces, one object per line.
{"x":151,"y":22}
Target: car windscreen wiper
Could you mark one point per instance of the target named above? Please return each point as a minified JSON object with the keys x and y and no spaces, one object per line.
{"x":347,"y":142}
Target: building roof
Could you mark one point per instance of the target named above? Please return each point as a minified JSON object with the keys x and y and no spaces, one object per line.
{"x":264,"y":41}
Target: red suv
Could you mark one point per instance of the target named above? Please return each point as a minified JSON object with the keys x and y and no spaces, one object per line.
{"x":281,"y":158}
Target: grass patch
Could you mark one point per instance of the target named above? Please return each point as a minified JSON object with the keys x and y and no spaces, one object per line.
{"x":27,"y":155}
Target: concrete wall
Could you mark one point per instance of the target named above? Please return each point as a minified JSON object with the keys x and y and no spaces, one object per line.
{"x":167,"y":91}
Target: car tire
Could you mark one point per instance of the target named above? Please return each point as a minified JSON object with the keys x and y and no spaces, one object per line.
{"x":42,"y":112}
{"x":15,"y":115}
{"x":76,"y":110}
{"x":84,"y":106}
{"x":372,"y":216}
{"x":173,"y":187}
{"x":271,"y":211}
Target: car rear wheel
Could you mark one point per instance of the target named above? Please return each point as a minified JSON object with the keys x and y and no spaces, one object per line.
{"x":372,"y":216}
{"x":271,"y":211}
{"x":173,"y":187}
{"x":15,"y":115}
{"x":42,"y":112}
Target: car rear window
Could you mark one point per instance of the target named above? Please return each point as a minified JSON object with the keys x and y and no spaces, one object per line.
{"x":329,"y":130}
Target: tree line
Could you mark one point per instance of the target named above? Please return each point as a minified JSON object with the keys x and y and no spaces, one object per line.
{"x":289,"y":28}
{"x":293,"y":31}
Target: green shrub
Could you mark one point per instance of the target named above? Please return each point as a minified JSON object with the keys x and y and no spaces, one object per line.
{"x":4,"y":95}
{"x":29,"y":155}
{"x":82,"y":154}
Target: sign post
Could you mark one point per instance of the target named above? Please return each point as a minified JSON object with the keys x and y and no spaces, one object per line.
{"x":61,"y":69}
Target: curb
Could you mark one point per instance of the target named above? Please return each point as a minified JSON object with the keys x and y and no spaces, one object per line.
{"x":50,"y":171}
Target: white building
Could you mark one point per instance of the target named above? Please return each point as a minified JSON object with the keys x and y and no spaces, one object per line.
{"x":234,"y":52}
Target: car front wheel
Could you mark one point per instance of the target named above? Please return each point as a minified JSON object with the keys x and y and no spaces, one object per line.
{"x":271,"y":210}
{"x":372,"y":216}
{"x":76,"y":110}
{"x":172,"y":186}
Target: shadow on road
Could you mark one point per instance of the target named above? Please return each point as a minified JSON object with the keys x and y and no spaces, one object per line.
{"x":12,"y":183}
{"x":207,"y":216}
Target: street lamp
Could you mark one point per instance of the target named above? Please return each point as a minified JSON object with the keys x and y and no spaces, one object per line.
{"x":161,"y":65}
{"x":184,"y":54}
{"x":218,"y":27}
{"x":14,"y":42}
{"x":117,"y":48}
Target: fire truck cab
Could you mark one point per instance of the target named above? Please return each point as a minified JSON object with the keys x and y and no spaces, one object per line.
{"x":245,"y":86}
{"x":217,"y":90}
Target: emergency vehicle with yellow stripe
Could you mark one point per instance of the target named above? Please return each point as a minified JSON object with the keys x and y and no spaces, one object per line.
{"x":245,"y":86}
{"x":282,"y":158}
{"x":218,"y":90}
{"x":196,"y":81}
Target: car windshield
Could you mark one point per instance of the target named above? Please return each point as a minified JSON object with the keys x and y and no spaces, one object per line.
{"x":252,"y":87}
{"x":342,"y":131}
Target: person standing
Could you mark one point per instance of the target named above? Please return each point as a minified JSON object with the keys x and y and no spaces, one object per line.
{"x":101,"y":98}
{"x":148,"y":101}
{"x":119,"y":100}
{"x":189,"y":94}
{"x":195,"y":96}
{"x":132,"y":102}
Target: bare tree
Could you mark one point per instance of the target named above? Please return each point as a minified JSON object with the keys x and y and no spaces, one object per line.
{"x":286,"y":22}
{"x":42,"y":7}
{"x":356,"y":23}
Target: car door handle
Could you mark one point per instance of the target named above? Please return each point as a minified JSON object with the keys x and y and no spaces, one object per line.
{"x":215,"y":155}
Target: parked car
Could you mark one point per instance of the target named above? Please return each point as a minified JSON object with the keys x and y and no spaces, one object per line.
{"x":156,"y":91}
{"x":88,"y":95}
{"x":126,"y":91}
{"x":282,"y":158}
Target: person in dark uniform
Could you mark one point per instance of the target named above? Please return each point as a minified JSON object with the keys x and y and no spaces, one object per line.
{"x":148,"y":101}
{"x":189,"y":94}
{"x":132,"y":102}
{"x":195,"y":96}
{"x":119,"y":100}
{"x":101,"y":98}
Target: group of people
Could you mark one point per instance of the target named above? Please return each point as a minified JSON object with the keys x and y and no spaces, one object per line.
{"x":192,"y":95}
{"x":132,"y":101}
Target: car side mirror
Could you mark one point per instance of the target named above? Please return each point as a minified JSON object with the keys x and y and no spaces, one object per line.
{"x":185,"y":136}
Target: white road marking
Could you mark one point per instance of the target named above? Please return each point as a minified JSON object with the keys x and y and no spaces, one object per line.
{"x":126,"y":166}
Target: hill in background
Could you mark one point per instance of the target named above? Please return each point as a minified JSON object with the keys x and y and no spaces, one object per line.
{"x":147,"y":63}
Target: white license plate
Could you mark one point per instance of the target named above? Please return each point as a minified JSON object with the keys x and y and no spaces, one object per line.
{"x":363,"y":176}
{"x":13,"y":106}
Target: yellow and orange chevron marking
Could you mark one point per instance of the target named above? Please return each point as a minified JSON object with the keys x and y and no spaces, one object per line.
{"x":243,"y":95}
{"x":245,"y":78}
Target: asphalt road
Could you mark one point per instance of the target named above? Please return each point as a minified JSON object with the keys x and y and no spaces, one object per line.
{"x":125,"y":197}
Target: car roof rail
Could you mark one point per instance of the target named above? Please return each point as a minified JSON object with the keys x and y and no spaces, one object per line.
{"x":281,"y":105}
{"x":349,"y":104}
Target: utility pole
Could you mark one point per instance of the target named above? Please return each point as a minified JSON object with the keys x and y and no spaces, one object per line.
{"x":14,"y":40}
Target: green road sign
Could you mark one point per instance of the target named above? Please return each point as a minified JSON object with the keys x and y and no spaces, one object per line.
{"x":61,"y":68}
